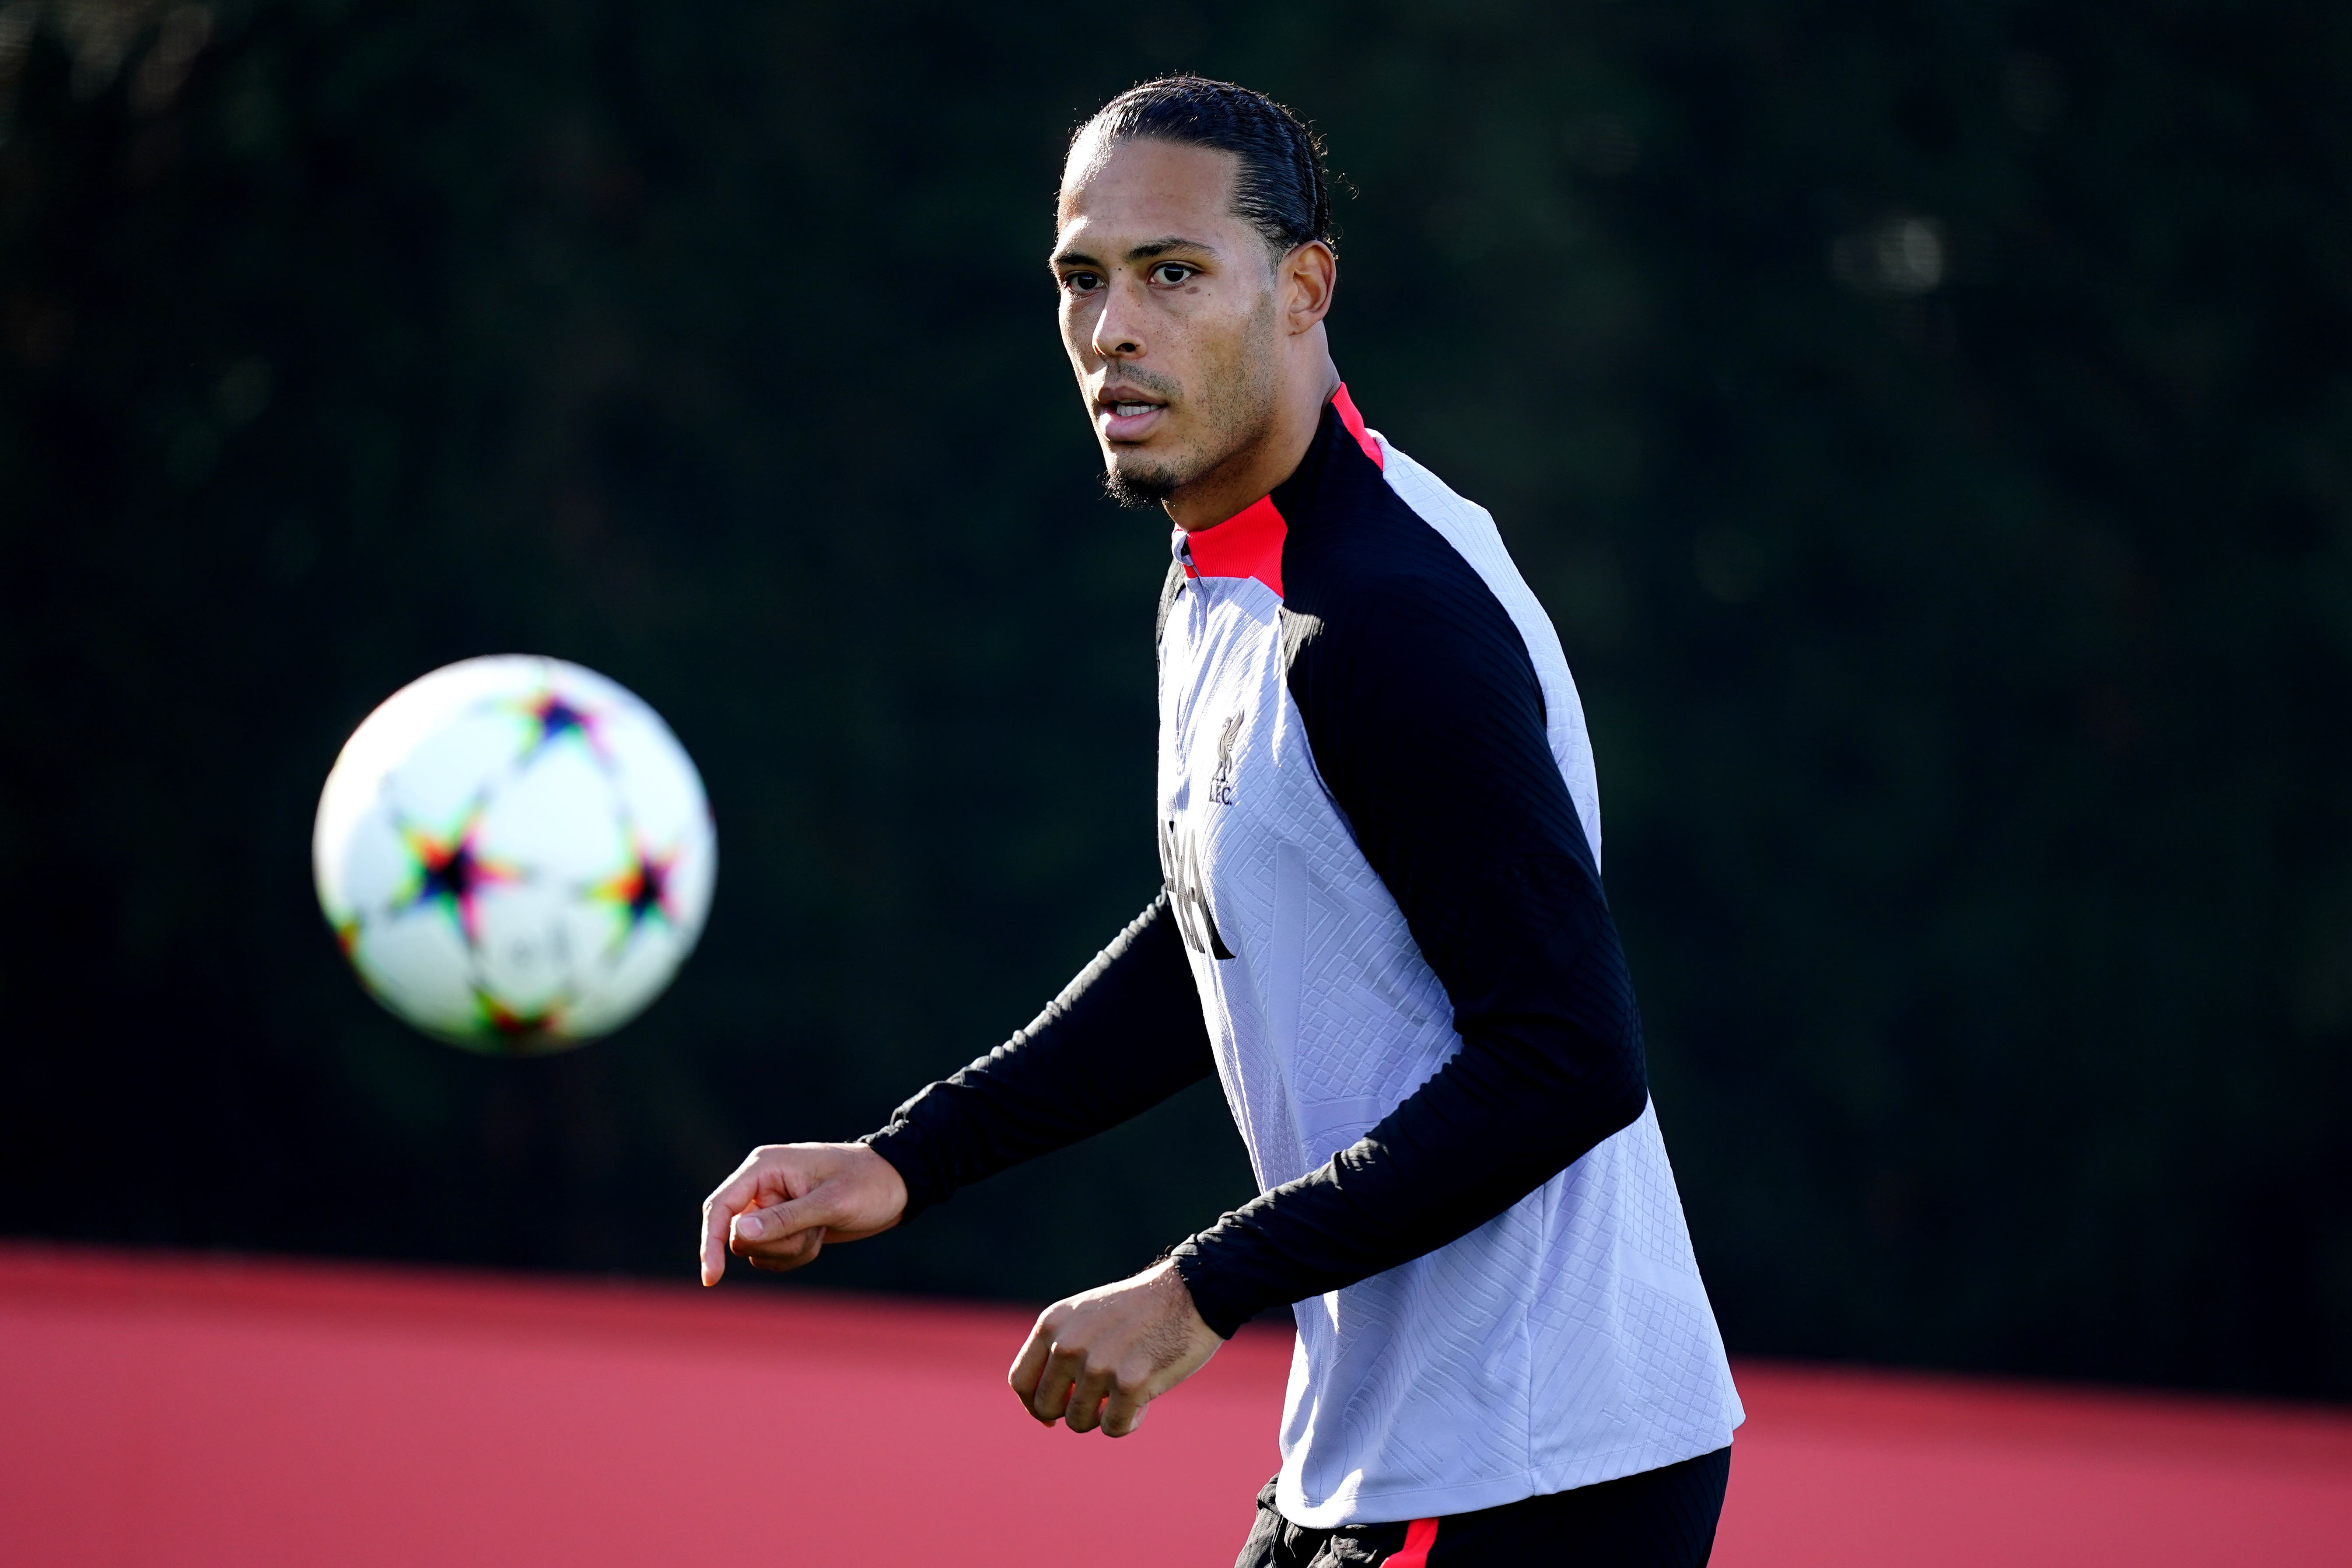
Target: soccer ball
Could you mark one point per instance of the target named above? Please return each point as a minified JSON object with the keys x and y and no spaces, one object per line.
{"x":515,"y":854}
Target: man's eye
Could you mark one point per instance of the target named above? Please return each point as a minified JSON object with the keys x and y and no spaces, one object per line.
{"x":1172,"y":273}
{"x":1081,"y":282}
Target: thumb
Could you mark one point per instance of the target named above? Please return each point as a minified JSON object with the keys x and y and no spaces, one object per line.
{"x":778,"y":1221}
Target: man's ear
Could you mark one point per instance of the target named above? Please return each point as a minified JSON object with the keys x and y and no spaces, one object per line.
{"x":1309,"y":274}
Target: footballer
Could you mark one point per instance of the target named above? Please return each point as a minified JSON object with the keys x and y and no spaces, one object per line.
{"x":1381,"y":927}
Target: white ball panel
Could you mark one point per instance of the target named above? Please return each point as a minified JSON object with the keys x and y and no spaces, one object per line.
{"x":361,"y":876}
{"x":634,"y":975}
{"x":532,"y":947}
{"x":558,"y":814}
{"x":386,"y":738}
{"x":660,"y":786}
{"x":440,"y":783}
{"x":416,"y":964}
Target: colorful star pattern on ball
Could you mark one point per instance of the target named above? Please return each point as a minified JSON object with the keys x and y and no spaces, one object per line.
{"x":554,"y":719}
{"x":640,"y":893}
{"x":520,"y":1031}
{"x":451,"y":874}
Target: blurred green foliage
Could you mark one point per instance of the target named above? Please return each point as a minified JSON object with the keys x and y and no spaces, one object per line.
{"x":1931,"y":427}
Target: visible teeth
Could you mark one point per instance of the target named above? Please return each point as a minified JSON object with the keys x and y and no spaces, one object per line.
{"x":1130,"y":410}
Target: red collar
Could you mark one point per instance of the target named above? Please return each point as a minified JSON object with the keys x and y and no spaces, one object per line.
{"x":1249,"y":542}
{"x":1355,"y":423}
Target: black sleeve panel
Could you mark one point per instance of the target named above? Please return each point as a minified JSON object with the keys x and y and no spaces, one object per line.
{"x":1426,"y":721}
{"x":1121,"y":1038}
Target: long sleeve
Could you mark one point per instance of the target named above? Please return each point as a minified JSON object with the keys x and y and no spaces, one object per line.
{"x":1123,"y":1036}
{"x":1425,"y":719}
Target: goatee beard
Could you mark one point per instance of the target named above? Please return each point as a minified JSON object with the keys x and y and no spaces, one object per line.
{"x":1138,"y":491}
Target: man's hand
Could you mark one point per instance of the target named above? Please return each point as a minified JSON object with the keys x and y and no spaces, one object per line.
{"x":785,"y":1202}
{"x":1099,"y":1359}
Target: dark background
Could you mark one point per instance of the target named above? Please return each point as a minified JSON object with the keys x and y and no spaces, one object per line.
{"x":1929,"y":425}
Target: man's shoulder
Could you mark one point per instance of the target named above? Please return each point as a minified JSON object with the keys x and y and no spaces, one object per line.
{"x":1378,"y":553}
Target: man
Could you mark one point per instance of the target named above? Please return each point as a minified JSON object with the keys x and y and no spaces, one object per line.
{"x":1382,"y":928}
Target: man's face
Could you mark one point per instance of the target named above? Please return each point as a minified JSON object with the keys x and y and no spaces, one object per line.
{"x":1168,"y":312}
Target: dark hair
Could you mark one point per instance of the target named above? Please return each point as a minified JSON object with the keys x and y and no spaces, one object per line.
{"x":1280,"y":190}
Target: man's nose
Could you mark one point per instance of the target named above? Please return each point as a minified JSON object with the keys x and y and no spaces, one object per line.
{"x":1117,"y":334}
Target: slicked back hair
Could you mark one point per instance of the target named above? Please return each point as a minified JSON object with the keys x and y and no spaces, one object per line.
{"x":1281,"y":189}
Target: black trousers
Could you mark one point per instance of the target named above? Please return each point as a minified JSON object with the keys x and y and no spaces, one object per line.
{"x":1658,"y":1519}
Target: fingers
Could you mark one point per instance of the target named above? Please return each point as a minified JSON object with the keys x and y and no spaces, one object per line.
{"x":1148,"y":1373}
{"x":735,"y":1194}
{"x":1090,"y":1385}
{"x":1109,"y":1397}
{"x":1099,"y":1359}
{"x":861,"y":1193}
{"x":1125,"y":1408}
{"x":1045,"y":1373}
{"x":714,"y":1248}
{"x":1057,"y":1377}
{"x":768,"y":1174}
{"x":785,"y":1235}
{"x":778,"y":1221}
{"x":1029,"y":1366}
{"x":1052,"y":1400}
{"x":1091,"y":1393}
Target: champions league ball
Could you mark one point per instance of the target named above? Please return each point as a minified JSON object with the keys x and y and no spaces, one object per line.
{"x":515,"y":854}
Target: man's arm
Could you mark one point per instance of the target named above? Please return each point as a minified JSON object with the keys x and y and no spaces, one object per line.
{"x":1426,"y":722}
{"x":1121,"y":1038}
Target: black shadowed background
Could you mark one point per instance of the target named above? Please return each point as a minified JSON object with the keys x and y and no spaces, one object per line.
{"x":1930,"y":426}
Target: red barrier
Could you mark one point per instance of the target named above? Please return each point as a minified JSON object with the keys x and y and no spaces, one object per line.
{"x":166,"y":1410}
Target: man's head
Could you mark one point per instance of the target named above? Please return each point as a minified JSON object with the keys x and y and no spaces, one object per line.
{"x":1194,"y":257}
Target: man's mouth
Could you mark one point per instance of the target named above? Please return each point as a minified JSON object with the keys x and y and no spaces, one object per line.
{"x":1123,"y":413}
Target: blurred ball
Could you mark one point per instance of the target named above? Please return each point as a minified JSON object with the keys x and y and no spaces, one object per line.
{"x":515,"y":854}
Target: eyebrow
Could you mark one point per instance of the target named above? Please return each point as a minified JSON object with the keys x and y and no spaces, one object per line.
{"x":1143,"y":252}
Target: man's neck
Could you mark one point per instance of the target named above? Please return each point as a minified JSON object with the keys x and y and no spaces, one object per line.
{"x":1254,"y":471}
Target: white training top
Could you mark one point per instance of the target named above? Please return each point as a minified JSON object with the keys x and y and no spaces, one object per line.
{"x":1567,"y":1340}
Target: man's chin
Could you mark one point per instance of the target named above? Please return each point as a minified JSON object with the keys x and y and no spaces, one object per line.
{"x":1132,"y":485}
